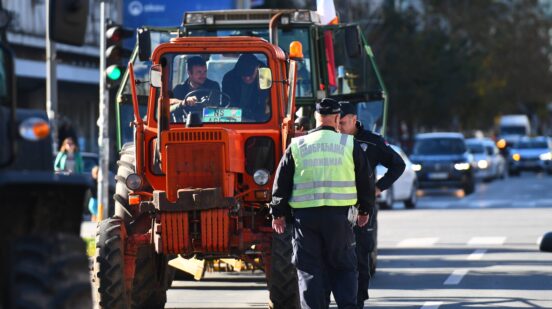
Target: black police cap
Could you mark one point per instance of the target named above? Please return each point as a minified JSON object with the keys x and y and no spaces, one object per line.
{"x":347,"y":108}
{"x":328,"y":106}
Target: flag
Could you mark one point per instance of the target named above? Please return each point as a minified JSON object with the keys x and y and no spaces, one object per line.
{"x":326,"y":10}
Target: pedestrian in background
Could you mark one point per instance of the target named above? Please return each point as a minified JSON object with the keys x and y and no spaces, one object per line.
{"x":69,"y":159}
{"x":377,"y":151}
{"x":320,"y":177}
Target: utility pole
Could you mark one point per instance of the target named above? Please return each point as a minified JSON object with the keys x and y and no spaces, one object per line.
{"x":103,"y":123}
{"x":51,"y":80}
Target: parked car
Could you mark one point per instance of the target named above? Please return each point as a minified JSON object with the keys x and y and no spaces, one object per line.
{"x":489,"y":163}
{"x":442,"y":160}
{"x":403,"y":189}
{"x":531,"y":154}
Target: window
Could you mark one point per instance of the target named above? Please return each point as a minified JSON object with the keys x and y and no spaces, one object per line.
{"x":285,"y":37}
{"x":443,"y":146}
{"x":222,"y":87}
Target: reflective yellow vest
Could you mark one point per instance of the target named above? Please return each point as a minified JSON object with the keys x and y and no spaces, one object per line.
{"x":324,"y":170}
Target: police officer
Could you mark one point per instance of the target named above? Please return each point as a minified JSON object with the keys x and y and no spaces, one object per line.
{"x":378,"y":152}
{"x":320,"y":176}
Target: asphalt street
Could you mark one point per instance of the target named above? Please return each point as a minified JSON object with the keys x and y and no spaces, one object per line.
{"x":479,"y":251}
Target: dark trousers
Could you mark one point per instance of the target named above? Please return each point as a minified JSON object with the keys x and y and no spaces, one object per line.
{"x":325,"y":258}
{"x":364,"y":246}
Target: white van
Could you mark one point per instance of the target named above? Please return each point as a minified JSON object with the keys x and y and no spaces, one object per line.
{"x":514,"y":125}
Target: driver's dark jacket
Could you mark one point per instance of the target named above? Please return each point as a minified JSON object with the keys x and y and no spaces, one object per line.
{"x":253,"y":104}
{"x":180,"y":91}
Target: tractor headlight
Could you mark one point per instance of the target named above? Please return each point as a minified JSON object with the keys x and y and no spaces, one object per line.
{"x":133,"y":182}
{"x":261,"y":177}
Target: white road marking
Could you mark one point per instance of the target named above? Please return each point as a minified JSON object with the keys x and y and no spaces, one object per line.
{"x":431,"y":305}
{"x":477,"y":254}
{"x":418,"y":242}
{"x":487,"y":241}
{"x":456,"y":277}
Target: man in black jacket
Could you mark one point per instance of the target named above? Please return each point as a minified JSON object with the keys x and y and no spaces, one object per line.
{"x":242,"y":85}
{"x":378,"y":151}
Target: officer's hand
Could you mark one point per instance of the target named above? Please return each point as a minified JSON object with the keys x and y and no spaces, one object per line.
{"x":279,"y":224}
{"x":378,"y":192}
{"x":361,"y":220}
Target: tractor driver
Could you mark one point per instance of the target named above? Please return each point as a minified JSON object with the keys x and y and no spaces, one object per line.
{"x":197,"y":80}
{"x":242,"y":85}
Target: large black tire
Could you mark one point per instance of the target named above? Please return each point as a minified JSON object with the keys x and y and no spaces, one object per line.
{"x":126,"y":167}
{"x":282,"y":284}
{"x":109,"y":283}
{"x":152,"y":279}
{"x":49,"y":271}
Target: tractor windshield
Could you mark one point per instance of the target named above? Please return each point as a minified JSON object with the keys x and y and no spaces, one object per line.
{"x":218,"y":87}
{"x":285,"y":37}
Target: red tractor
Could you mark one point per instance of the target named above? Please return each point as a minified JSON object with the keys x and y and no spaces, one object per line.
{"x":197,"y":180}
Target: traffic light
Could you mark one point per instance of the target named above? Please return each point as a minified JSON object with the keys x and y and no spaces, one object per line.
{"x":68,"y":21}
{"x":115,"y":53}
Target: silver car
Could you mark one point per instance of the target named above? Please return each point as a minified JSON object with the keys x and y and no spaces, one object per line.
{"x":404,"y":189}
{"x":489,"y":164}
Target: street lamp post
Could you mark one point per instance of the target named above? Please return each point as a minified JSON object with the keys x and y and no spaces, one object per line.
{"x":103,"y":123}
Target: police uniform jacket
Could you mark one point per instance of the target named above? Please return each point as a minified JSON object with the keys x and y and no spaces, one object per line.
{"x":378,"y":151}
{"x":283,"y":182}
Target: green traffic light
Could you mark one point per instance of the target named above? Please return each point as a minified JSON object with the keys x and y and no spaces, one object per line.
{"x":114,"y":72}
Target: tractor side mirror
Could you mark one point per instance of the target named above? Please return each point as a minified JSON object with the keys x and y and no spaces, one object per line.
{"x":155,"y":76}
{"x":265,"y":78}
{"x":144,"y":44}
{"x":352,"y":39}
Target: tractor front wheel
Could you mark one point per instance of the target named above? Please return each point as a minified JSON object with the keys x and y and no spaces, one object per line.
{"x":282,"y":283}
{"x":109,"y":279}
{"x":152,"y":279}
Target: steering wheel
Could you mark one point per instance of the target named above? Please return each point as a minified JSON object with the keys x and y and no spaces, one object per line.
{"x":209,"y":97}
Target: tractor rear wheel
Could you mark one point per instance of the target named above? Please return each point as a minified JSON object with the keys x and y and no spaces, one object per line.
{"x":152,"y":279}
{"x":282,"y":284}
{"x":126,"y":167}
{"x":109,"y":279}
{"x":49,"y":271}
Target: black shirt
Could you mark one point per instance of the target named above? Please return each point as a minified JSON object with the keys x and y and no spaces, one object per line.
{"x":283,"y":181}
{"x":379,"y":152}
